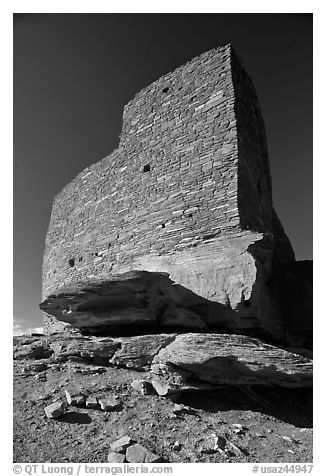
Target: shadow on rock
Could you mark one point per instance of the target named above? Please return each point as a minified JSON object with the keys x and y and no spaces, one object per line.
{"x":294,"y":406}
{"x":76,"y":418}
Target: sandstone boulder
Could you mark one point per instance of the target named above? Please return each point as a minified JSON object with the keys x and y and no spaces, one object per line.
{"x":55,"y":410}
{"x":137,"y":302}
{"x":110,"y":403}
{"x":137,"y":352}
{"x":116,"y":457}
{"x":97,"y":351}
{"x":75,"y":397}
{"x":139,"y":454}
{"x":120,"y":445}
{"x":35,"y":350}
{"x":203,"y":360}
{"x":92,"y":402}
{"x":142,"y":386}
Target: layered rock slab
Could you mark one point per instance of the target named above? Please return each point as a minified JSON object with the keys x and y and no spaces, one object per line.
{"x":142,"y":302}
{"x":134,"y":302}
{"x":175,"y":363}
{"x":199,"y":360}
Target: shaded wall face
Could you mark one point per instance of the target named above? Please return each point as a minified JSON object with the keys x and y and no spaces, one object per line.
{"x":255,"y":202}
{"x":255,"y":187}
{"x":171,"y":183}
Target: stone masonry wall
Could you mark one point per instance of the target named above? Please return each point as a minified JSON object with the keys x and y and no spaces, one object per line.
{"x":190,"y":177}
{"x":183,"y":128}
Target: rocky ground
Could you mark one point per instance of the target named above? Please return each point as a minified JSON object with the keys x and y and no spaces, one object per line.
{"x":229,"y":424}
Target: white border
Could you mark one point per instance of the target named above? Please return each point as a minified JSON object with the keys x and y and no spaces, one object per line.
{"x":168,"y":6}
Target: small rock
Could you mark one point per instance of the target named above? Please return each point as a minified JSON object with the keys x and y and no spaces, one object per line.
{"x":289,"y":439}
{"x":114,"y":457}
{"x":139,"y":454}
{"x":219,"y":442}
{"x":79,"y":400}
{"x":120,"y":445}
{"x":136,"y":454}
{"x":110,"y":404}
{"x":92,"y":402}
{"x":40,"y":376}
{"x":181,"y":409}
{"x":54,"y":366}
{"x":75,"y":398}
{"x":46,"y":396}
{"x":75,"y":358}
{"x":55,"y":410}
{"x":207,"y":451}
{"x":235,"y":448}
{"x":38,"y":367}
{"x":238,"y":428}
{"x":152,"y":458}
{"x":100,"y":370}
{"x":160,"y":387}
{"x":142,"y":386}
{"x":177,"y":446}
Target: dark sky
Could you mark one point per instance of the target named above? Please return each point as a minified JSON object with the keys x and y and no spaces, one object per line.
{"x":73,"y":73}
